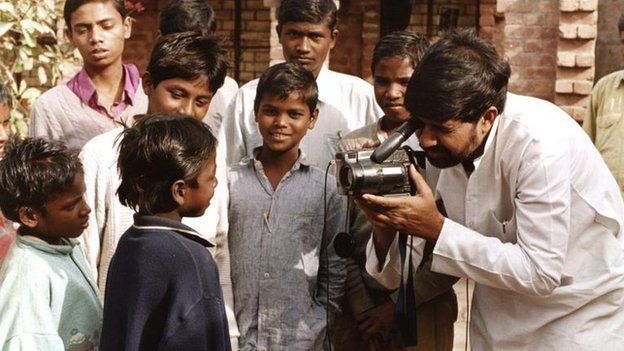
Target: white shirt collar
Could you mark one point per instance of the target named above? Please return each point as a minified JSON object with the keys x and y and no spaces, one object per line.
{"x":325,"y":84}
{"x":488,"y":141}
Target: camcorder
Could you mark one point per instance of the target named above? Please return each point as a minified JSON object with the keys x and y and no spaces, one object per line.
{"x":357,"y":173}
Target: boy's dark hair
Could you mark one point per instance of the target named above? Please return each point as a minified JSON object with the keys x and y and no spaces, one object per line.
{"x":158,"y":150}
{"x":402,"y":43}
{"x":72,"y":5}
{"x":286,"y":78}
{"x":459,"y":77}
{"x":188,"y":55}
{"x":309,"y":11}
{"x":32,"y":171}
{"x":187,"y":15}
{"x":621,"y":23}
{"x":5,"y":96}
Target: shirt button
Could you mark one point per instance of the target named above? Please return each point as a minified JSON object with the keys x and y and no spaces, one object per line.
{"x":267,"y":275}
{"x":262,"y":349}
{"x":269,"y":235}
{"x":265,"y":311}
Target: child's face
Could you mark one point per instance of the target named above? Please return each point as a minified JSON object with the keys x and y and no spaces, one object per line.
{"x":189,"y":97}
{"x":197,"y":199}
{"x":392,"y":74}
{"x":283,"y":123}
{"x":98,"y":31}
{"x":5,"y":127}
{"x":65,"y":215}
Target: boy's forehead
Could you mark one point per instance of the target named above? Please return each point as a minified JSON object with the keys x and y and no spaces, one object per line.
{"x":307,"y":26}
{"x":99,"y":9}
{"x":293,"y":98}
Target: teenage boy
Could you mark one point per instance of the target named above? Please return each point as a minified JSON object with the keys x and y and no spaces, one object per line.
{"x":195,"y":15}
{"x":105,"y":92}
{"x":368,"y":305}
{"x":286,"y":275}
{"x":184,"y":71}
{"x":47,"y":298}
{"x":163,"y":288}
{"x":307,"y":32}
{"x":7,"y":231}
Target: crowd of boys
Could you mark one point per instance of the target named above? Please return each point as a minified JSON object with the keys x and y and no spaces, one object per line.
{"x":174,"y":211}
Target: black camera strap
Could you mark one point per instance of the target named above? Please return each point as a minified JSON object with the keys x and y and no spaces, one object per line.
{"x":405,"y":308}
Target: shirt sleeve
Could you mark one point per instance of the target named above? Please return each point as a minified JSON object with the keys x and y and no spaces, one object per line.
{"x":43,"y":123}
{"x":222,"y":254}
{"x":231,"y":132}
{"x":533,"y":264}
{"x":589,"y":123}
{"x":91,"y":238}
{"x":332,"y":271}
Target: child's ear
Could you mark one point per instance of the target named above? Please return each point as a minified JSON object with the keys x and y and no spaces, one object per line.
{"x":313,"y":118}
{"x":178,"y":188}
{"x":146,"y":81}
{"x":29,"y":216}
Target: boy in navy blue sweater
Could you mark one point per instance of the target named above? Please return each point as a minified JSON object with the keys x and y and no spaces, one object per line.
{"x":162,"y":291}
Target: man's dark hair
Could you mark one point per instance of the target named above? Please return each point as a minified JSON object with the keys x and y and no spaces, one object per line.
{"x":188,"y":55}
{"x":5,"y":96}
{"x":402,"y":43}
{"x":160,"y":149}
{"x":32,"y":171}
{"x":187,"y":16}
{"x":72,"y":5}
{"x":621,"y":23}
{"x":284,"y":79}
{"x":309,"y":11}
{"x":459,"y":77}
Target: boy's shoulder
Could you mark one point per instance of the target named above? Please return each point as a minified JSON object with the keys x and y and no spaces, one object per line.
{"x":55,"y":98}
{"x":24,"y":267}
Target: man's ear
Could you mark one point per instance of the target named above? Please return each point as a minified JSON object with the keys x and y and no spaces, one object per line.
{"x":127,"y":24}
{"x":178,"y":189}
{"x":278,"y":29}
{"x":147,"y":83}
{"x":313,"y":118}
{"x":29,"y":216}
{"x":489,"y":116}
{"x":334,"y":38}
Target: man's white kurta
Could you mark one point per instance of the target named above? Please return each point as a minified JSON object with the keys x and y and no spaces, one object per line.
{"x":538,"y":227}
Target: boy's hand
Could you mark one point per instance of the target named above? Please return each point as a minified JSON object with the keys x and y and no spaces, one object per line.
{"x":379,"y":319}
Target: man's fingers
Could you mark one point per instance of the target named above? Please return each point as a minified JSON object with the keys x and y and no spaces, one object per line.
{"x":422,"y":187}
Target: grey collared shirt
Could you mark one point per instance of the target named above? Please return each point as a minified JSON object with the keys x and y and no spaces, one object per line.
{"x":281,"y":262}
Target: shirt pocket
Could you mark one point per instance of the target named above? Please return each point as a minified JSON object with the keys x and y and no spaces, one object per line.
{"x":505,"y":226}
{"x":609,"y":119}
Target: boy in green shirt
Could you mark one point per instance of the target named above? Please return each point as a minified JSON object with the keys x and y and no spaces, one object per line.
{"x":47,"y":297}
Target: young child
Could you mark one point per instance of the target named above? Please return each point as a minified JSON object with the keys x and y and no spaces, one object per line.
{"x":7,"y":233}
{"x":285,"y":273}
{"x":47,"y":298}
{"x":105,"y":92}
{"x":163,"y":291}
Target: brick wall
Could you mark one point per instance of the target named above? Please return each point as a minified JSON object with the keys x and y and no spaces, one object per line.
{"x":527,"y":33}
{"x":254,"y":39}
{"x":575,"y":55}
{"x":608,"y":56}
{"x":467,"y":11}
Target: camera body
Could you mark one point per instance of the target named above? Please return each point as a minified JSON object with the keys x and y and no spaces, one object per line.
{"x":357,"y":174}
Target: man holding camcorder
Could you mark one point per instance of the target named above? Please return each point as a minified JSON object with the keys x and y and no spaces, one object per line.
{"x":533,"y":214}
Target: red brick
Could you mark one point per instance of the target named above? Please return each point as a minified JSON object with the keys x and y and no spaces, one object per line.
{"x":582,"y":87}
{"x":564,"y":87}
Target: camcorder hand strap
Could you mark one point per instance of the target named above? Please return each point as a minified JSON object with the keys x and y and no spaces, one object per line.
{"x":405,"y":308}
